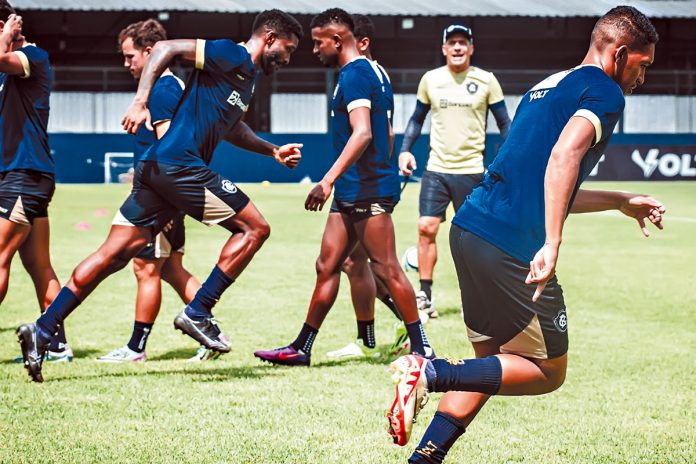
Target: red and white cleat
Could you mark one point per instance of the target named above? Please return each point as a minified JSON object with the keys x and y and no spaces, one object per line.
{"x":408,"y":372}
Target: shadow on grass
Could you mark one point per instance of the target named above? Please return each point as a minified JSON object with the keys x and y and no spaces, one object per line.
{"x":179,"y":353}
{"x":77,"y":354}
{"x":205,"y":374}
{"x":8,"y":329}
{"x":452,"y":310}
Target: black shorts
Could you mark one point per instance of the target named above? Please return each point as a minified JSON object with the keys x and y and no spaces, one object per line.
{"x":439,"y":189}
{"x":25,"y":195}
{"x":170,"y":240}
{"x":161,"y":192}
{"x":497,"y":304}
{"x":363,"y":209}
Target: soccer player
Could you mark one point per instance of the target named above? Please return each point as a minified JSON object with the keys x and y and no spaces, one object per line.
{"x":364,"y":285}
{"x":173,"y":176}
{"x":27,"y":168}
{"x":366,"y":183}
{"x":459,"y":96}
{"x":506,"y":237}
{"x":162,"y":258}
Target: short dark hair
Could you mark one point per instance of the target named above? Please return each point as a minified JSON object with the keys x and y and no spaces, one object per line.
{"x":364,"y":27}
{"x":281,"y":22}
{"x":143,"y":33}
{"x":627,"y":23}
{"x":335,"y":16}
{"x":6,"y":10}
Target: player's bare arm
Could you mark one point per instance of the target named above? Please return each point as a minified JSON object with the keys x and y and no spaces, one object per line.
{"x":356,"y":145}
{"x":640,"y":207}
{"x":162,"y":54}
{"x":242,"y":136}
{"x":561,"y":176}
{"x":10,"y":63}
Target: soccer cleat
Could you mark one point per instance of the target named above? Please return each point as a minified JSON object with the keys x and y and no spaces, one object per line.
{"x":123,"y":355}
{"x":401,"y":342}
{"x":60,"y":356}
{"x":32,"y":350}
{"x":205,"y":332}
{"x":284,"y":356}
{"x":408,"y":372}
{"x":204,"y":354}
{"x":354,"y":350}
{"x":426,"y":304}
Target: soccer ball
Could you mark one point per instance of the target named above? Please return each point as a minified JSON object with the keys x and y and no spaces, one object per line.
{"x":410,"y":259}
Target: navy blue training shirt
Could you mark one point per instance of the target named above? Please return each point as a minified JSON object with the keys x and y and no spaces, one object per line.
{"x":162,"y":103}
{"x":24,"y":105}
{"x":507,"y":208}
{"x":375,"y":174}
{"x":216,"y":97}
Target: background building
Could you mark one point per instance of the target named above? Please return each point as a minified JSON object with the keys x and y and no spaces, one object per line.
{"x":520,"y":41}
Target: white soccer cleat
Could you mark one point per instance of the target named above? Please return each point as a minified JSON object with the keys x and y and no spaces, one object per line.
{"x":425,"y":304}
{"x":204,"y":354}
{"x":123,"y":354}
{"x":408,"y":372}
{"x":354,"y":350}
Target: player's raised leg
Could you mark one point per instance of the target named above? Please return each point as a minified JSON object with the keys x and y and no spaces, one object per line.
{"x":122,"y":243}
{"x":249,"y":231}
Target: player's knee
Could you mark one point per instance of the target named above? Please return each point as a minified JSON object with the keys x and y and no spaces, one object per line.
{"x":145,"y":271}
{"x":323,"y":268}
{"x":555,"y":377}
{"x":348,"y":267}
{"x":427,"y":230}
{"x":259,"y":233}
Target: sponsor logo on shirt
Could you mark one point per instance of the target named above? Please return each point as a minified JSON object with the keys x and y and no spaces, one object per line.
{"x":538,"y":94}
{"x":236,"y":100}
{"x":445,"y":103}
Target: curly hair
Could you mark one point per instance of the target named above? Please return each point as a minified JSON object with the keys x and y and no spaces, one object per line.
{"x":624,"y":23}
{"x":333,"y":16}
{"x":278,"y":21}
{"x":364,"y":28}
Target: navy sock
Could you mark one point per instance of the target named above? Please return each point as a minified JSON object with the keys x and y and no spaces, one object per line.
{"x":366,"y":332}
{"x":48,"y":323}
{"x":441,"y":434}
{"x":305,"y":339}
{"x":416,"y":334}
{"x":389,"y":303}
{"x":427,"y":287}
{"x":202,"y":304}
{"x":59,"y":342}
{"x":481,"y":375}
{"x":138,"y":340}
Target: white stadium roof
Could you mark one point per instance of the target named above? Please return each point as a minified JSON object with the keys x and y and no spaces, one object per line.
{"x":543,"y":8}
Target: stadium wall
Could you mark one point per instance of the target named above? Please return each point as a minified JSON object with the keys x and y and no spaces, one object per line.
{"x":80,"y":158}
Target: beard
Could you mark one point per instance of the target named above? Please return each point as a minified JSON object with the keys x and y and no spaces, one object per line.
{"x":270,"y":62}
{"x":329,"y":61}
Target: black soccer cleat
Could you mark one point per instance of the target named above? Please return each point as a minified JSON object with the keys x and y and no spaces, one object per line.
{"x":32,"y":350}
{"x":205,"y":332}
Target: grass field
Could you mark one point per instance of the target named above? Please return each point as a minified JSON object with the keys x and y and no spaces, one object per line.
{"x":629,"y":397}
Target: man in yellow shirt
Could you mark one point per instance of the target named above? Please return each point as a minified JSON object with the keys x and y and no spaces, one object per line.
{"x":459,"y":96}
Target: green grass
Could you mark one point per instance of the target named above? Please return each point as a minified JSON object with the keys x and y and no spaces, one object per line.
{"x":630,"y":394}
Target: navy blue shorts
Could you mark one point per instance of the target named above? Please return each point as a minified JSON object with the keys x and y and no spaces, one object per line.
{"x":25,"y":195}
{"x":497,"y":303}
{"x":161,"y":192}
{"x":363,"y":209}
{"x":170,"y":240}
{"x":439,"y":189}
